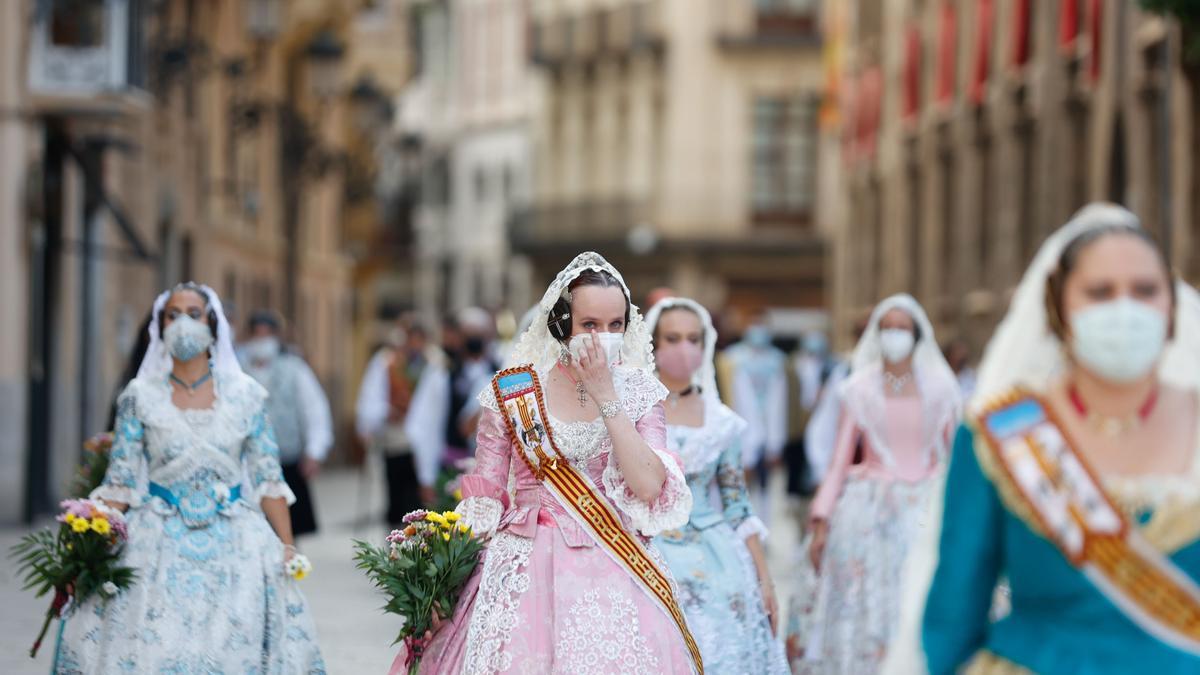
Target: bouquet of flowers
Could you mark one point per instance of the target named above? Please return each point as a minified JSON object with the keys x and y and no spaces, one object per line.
{"x":77,"y":561}
{"x":298,"y":566}
{"x":422,"y":571}
{"x":93,"y":466}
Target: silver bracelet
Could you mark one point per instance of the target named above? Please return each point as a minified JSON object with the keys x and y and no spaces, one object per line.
{"x":610,"y":409}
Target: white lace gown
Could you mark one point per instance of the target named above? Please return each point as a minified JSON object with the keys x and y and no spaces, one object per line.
{"x":547,"y":598}
{"x":211,"y":595}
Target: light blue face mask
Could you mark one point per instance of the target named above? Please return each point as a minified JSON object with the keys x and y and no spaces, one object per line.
{"x":186,"y":338}
{"x":1119,"y":340}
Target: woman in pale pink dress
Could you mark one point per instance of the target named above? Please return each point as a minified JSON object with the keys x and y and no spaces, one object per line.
{"x":900,"y":405}
{"x":547,"y":598}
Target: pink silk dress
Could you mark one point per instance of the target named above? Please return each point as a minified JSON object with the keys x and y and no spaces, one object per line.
{"x":547,"y":598}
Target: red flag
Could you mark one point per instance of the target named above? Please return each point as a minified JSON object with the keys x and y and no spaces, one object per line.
{"x":1020,"y":46}
{"x":1068,"y":23}
{"x":947,"y":53}
{"x":983,"y":51}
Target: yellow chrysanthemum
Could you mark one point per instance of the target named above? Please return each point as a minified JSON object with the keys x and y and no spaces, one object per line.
{"x":446,"y":536}
{"x":451,"y":516}
{"x":300,"y":574}
{"x":464,"y":528}
{"x":101,"y":526}
{"x":80,"y":525}
{"x":70,"y":518}
{"x":435,"y":518}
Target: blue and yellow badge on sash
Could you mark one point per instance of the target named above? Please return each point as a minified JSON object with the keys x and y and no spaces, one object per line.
{"x":1054,"y":482}
{"x":519,"y":395}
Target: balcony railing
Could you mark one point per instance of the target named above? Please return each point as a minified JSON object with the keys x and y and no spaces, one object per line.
{"x":577,"y":223}
{"x":585,"y":37}
{"x":767,"y":23}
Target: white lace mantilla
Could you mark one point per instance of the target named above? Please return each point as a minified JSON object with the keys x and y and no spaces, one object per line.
{"x":602,"y":640}
{"x":699,"y":447}
{"x":495,"y":616}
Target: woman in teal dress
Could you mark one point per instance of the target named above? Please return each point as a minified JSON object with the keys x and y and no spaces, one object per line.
{"x":1074,"y":485}
{"x":717,"y":558}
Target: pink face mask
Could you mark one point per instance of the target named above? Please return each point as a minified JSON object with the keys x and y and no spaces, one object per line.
{"x":679,"y":361}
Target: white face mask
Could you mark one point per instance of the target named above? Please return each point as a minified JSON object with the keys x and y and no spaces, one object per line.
{"x":611,"y":343}
{"x":186,"y":338}
{"x":262,"y":349}
{"x":896,"y":344}
{"x":1120,"y":340}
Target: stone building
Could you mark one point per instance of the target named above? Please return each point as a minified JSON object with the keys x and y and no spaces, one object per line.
{"x":958,"y":133}
{"x":147,"y":143}
{"x":678,"y":138}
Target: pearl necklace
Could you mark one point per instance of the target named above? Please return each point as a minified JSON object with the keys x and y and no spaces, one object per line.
{"x":897,"y":383}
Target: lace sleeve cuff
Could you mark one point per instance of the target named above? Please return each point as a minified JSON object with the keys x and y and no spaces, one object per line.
{"x":668,"y":511}
{"x":274,"y":488}
{"x":116,"y":493}
{"x":752,"y":526}
{"x":481,"y":514}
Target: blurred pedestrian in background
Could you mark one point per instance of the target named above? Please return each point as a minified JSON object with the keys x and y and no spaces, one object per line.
{"x":814,"y":366}
{"x":900,"y":406}
{"x":401,"y":413}
{"x":471,"y":370}
{"x":1076,"y":476}
{"x":760,"y":396}
{"x":958,"y":355}
{"x":297,"y":407}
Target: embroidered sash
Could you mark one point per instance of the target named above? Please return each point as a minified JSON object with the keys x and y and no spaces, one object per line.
{"x":519,"y":395}
{"x":1056,"y":485}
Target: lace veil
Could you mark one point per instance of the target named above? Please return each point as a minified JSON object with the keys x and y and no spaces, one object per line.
{"x":157,"y":361}
{"x":706,"y":375}
{"x":536,"y":346}
{"x":863,"y":391}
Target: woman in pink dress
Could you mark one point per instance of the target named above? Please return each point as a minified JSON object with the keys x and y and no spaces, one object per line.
{"x":549,"y":597}
{"x":899,"y":408}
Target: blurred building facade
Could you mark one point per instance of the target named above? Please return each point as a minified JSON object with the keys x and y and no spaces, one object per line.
{"x":678,"y":138}
{"x":151,"y":143}
{"x":469,"y":111}
{"x":959,"y":133}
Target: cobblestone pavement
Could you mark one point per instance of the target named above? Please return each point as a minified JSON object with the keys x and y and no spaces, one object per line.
{"x":355,"y":636}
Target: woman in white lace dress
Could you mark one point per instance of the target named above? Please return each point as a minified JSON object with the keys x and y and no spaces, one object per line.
{"x":717,"y":557}
{"x":551,"y":595}
{"x":195,"y":467}
{"x":900,"y":405}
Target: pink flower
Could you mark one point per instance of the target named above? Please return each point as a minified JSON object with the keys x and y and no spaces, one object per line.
{"x":415,"y":516}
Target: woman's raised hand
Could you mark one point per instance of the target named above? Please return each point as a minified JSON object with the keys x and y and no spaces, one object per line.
{"x":591,"y":368}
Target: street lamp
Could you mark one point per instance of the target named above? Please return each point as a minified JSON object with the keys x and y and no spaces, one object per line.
{"x":324,"y":65}
{"x":264,"y":18}
{"x":369,"y":104}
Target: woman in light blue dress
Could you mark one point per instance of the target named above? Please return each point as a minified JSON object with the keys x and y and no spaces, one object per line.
{"x":195,"y":467}
{"x":717,"y":558}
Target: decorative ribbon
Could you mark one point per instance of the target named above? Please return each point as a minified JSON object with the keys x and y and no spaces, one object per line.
{"x":1053,"y":481}
{"x":520,"y":395}
{"x":165,"y":494}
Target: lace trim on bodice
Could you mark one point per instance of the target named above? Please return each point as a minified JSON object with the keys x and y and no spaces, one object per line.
{"x":700,"y":447}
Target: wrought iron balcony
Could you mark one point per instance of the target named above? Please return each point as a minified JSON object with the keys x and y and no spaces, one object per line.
{"x":751,"y":24}
{"x":589,"y":222}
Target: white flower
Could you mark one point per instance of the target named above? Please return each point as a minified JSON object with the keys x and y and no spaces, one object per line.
{"x":220,"y":492}
{"x":109,"y":589}
{"x":298,"y":567}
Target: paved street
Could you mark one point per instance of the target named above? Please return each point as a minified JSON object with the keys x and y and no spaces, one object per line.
{"x":355,"y":636}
